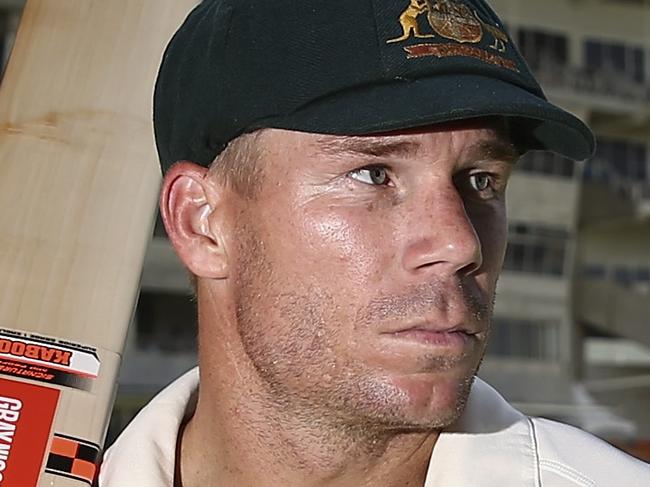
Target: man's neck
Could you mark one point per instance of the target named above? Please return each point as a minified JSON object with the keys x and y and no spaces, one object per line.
{"x":251,"y":445}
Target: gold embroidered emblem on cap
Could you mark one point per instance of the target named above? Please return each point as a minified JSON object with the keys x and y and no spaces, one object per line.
{"x":454,"y":21}
{"x":500,"y":37}
{"x":449,"y":19}
{"x":450,"y":50}
{"x":409,"y":20}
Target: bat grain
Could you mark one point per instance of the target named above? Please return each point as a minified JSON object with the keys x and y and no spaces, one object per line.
{"x":79,"y":180}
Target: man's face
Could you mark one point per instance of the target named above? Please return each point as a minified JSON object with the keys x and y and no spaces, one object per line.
{"x":366,"y":269}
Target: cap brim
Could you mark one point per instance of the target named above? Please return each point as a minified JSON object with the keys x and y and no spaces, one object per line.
{"x":402,"y":104}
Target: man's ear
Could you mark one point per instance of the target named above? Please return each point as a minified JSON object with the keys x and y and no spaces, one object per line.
{"x":188,"y":201}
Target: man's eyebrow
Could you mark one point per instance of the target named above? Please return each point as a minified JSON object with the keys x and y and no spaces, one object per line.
{"x":367,"y":146}
{"x":495,"y":150}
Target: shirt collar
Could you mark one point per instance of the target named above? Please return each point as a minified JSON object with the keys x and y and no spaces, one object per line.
{"x":145,"y":453}
{"x":491,"y":445}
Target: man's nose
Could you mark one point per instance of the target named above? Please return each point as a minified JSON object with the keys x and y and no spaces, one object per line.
{"x":441,"y":236}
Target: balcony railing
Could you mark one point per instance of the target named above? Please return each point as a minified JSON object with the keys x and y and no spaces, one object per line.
{"x":601,"y":171}
{"x":621,"y":310}
{"x":633,"y":278}
{"x":602,"y":83}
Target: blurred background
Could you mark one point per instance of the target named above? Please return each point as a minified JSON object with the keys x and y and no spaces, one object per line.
{"x":571,"y":336}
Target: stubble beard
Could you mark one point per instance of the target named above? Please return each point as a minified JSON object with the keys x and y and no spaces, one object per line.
{"x":290,"y":339}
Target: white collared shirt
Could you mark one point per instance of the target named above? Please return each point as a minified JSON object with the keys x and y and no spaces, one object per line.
{"x":492,"y":445}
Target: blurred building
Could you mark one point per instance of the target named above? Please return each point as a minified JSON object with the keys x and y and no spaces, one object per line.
{"x":571,"y":337}
{"x":572,"y":325}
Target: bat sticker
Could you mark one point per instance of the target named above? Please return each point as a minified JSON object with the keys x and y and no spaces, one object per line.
{"x":26,"y":416}
{"x":73,"y":458}
{"x":43,"y":359}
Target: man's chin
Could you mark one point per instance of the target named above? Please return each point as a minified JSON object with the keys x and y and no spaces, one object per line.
{"x":433,"y":401}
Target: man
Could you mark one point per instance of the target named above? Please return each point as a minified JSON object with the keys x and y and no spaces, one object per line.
{"x":340,"y":200}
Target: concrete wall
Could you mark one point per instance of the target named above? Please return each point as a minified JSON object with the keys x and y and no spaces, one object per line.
{"x":542,"y":200}
{"x":615,"y":310}
{"x":531,"y":295}
{"x":622,"y":242}
{"x":601,"y":205}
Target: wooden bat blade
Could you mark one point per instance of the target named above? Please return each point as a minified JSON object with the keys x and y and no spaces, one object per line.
{"x":78,"y":187}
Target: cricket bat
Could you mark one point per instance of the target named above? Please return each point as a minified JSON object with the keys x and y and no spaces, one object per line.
{"x":79,"y":178}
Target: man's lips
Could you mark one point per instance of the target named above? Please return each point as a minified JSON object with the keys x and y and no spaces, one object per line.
{"x":433,"y":326}
{"x":449,"y":337}
{"x":441,"y":339}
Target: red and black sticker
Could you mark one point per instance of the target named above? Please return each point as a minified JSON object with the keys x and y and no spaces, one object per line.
{"x":43,"y":359}
{"x":73,"y":458}
{"x":26,"y":416}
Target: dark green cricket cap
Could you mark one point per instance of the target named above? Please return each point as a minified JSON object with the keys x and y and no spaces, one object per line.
{"x":347,"y":68}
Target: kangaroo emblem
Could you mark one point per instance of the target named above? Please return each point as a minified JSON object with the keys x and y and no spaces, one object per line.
{"x":409,"y":20}
{"x":500,"y":37}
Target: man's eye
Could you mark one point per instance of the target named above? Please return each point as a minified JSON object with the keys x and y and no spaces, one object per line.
{"x":374,"y":175}
{"x":480,"y":182}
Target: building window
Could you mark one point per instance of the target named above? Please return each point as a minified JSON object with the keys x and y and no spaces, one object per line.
{"x":166,"y":322}
{"x":543,"y":49}
{"x":536,"y":250}
{"x":634,"y":277}
{"x":628,"y":159}
{"x":614,"y":58}
{"x":547,"y":163}
{"x":622,"y":165}
{"x":523,"y":338}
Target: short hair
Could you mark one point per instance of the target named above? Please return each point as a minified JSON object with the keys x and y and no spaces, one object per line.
{"x":238,"y":166}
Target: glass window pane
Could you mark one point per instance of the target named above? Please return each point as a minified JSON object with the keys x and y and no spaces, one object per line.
{"x":594,"y":55}
{"x":541,"y":48}
{"x":523,"y":338}
{"x":616,"y":57}
{"x":638,"y":65}
{"x":515,"y":257}
{"x":555,"y":265}
{"x":560,"y":50}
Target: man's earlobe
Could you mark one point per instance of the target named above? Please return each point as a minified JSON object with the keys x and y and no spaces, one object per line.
{"x":187,"y":203}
